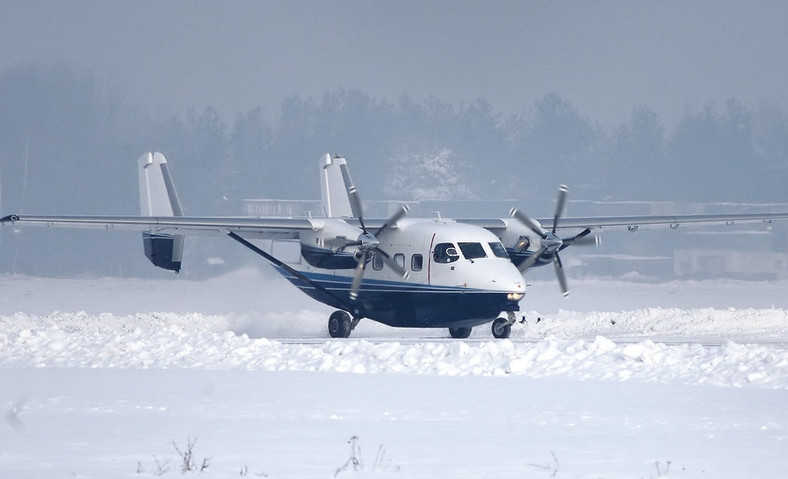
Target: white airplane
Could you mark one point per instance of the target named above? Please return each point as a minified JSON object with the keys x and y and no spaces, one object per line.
{"x":400,"y":271}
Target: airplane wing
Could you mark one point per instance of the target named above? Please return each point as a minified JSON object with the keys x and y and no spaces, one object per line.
{"x":256,"y":228}
{"x":290,"y":228}
{"x":163,"y":236}
{"x":631,"y":222}
{"x":515,"y":232}
{"x":161,"y":213}
{"x":670,"y":220}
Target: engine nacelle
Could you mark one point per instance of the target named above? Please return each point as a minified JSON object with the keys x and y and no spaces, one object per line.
{"x":329,"y":247}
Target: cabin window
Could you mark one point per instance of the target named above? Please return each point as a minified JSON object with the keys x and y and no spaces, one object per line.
{"x":399,"y":258}
{"x":416,"y":262}
{"x":445,"y":253}
{"x":472,"y":250}
{"x":377,"y":261}
{"x":498,"y":250}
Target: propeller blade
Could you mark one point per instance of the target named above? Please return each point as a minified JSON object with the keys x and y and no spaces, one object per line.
{"x":402,"y":211}
{"x":559,"y":271}
{"x":358,"y":276}
{"x":578,"y":236}
{"x":585,"y":241}
{"x":353,"y":197}
{"x":550,"y":241}
{"x":392,"y":263}
{"x":581,"y":239}
{"x":355,"y":205}
{"x":559,"y":206}
{"x":531,"y":260}
{"x":529,"y":222}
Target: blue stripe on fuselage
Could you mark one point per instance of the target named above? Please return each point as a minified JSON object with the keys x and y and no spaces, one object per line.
{"x":403,"y":304}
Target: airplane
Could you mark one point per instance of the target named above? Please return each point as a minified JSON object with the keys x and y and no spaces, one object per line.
{"x":399,"y":271}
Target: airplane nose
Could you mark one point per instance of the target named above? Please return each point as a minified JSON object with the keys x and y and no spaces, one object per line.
{"x":517,"y":290}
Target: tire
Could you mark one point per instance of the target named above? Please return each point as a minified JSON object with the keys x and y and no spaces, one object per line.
{"x":339,"y":324}
{"x":501,"y":329}
{"x":460,"y":333}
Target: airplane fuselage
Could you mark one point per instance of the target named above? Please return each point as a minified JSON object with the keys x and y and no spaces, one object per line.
{"x":459,"y":275}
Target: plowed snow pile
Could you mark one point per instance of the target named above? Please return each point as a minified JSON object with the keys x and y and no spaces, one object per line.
{"x":193,"y":340}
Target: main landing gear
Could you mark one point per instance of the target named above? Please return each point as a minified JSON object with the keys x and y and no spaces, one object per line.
{"x":501,"y":328}
{"x":460,"y":333}
{"x":340,"y":324}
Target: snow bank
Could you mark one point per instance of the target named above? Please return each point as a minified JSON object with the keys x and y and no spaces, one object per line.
{"x":718,"y":333}
{"x":192,"y":340}
{"x":664,"y":324}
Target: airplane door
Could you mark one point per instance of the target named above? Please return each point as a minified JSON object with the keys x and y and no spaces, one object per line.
{"x":441,"y":260}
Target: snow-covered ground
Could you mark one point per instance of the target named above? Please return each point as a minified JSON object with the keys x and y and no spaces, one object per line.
{"x":116,"y":377}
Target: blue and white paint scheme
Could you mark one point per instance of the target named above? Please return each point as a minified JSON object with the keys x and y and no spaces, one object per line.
{"x":400,"y":271}
{"x":458,"y":275}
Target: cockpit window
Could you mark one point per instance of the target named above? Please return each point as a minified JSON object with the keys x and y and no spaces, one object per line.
{"x":498,"y":250}
{"x":472,"y":250}
{"x":445,"y":253}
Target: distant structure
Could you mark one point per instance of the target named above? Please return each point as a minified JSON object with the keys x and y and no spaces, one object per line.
{"x":285,"y":208}
{"x":767,"y":265}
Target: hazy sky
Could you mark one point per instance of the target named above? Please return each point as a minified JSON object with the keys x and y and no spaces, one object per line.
{"x":602,"y":56}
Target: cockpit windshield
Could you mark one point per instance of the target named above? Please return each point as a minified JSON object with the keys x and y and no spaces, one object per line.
{"x":498,"y":250}
{"x":472,"y":250}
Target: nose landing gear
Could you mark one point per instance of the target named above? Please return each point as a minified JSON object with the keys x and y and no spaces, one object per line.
{"x":502,"y":327}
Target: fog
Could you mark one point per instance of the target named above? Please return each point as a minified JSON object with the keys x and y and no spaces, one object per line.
{"x":603,"y":57}
{"x":681,"y":102}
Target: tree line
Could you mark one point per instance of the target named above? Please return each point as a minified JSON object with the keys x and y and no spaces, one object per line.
{"x":67,"y":145}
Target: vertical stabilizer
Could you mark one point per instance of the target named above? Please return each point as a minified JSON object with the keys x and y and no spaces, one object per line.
{"x":159,"y":198}
{"x":157,"y":191}
{"x":333,"y":189}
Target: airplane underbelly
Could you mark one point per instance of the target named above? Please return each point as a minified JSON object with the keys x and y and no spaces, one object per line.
{"x":433,"y":309}
{"x":403,"y":305}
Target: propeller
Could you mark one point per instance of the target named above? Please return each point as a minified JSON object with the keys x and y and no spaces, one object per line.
{"x":367,"y":243}
{"x":551,"y":243}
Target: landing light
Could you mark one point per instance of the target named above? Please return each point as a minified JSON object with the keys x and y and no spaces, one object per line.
{"x":515,"y":296}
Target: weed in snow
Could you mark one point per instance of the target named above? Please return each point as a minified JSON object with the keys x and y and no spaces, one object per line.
{"x":381,"y":464}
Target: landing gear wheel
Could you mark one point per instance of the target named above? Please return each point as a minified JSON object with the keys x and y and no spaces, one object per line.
{"x":339,"y":324}
{"x":460,"y":333}
{"x":501,"y":329}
